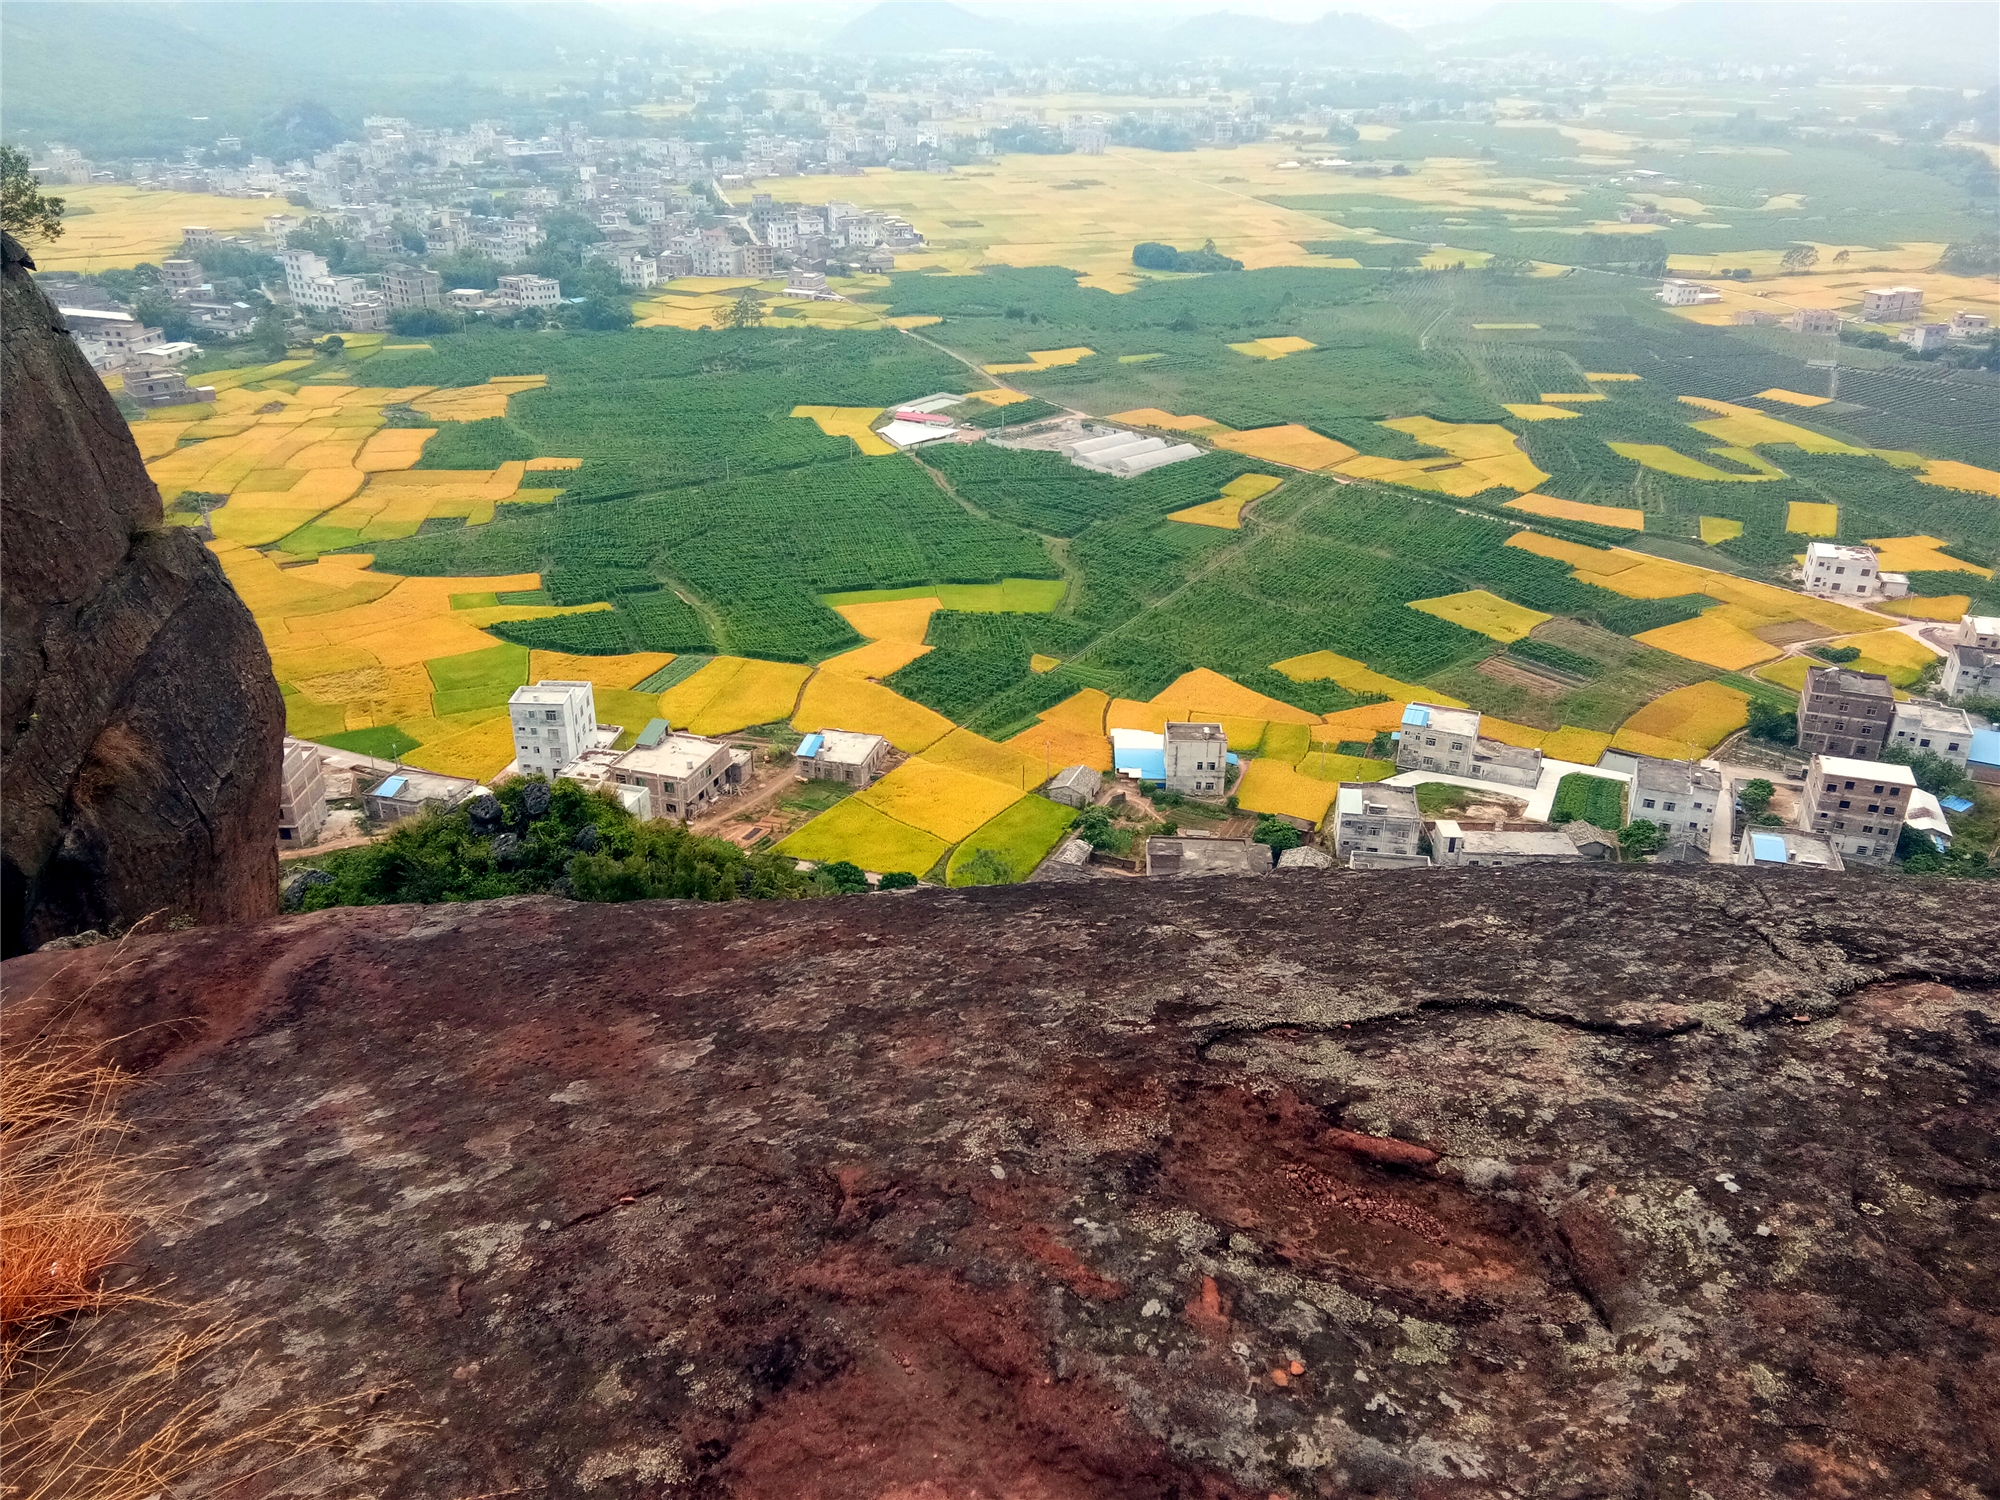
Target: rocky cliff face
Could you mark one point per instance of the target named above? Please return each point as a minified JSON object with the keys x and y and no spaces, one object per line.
{"x":140,"y":727}
{"x":1574,"y":1184}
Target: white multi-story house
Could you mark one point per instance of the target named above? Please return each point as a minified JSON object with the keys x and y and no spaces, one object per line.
{"x":1678,"y":796}
{"x":528,"y":291}
{"x":1197,"y":759}
{"x":635,"y":270}
{"x":1891,"y":304}
{"x":313,"y":289}
{"x":554,"y":723}
{"x":1933,"y":727}
{"x":1370,"y":818}
{"x":1678,"y":293}
{"x":1851,"y":572}
{"x":1447,"y":740}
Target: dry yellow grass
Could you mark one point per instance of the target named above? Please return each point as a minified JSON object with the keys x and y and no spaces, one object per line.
{"x":1489,"y":614}
{"x":1810,"y":518}
{"x":1276,"y":348}
{"x":963,"y":750}
{"x":1299,"y":447}
{"x":832,"y":701}
{"x":876,"y":659}
{"x":1719,"y":529}
{"x":1227,"y":512}
{"x":941,"y":800}
{"x":1628,"y":517}
{"x":1043,"y":359}
{"x":1703,"y":715}
{"x":1528,"y":411}
{"x":906,"y":620}
{"x":849,"y":422}
{"x":1712,"y":641}
{"x":1957,"y":476}
{"x":1271,"y":786}
{"x":1920,"y":554}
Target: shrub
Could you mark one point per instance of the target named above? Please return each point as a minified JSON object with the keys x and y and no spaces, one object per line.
{"x":1756,"y":795}
{"x":844,"y":876}
{"x":1642,"y":837}
{"x":1769,"y":722}
{"x":1277,"y":833}
{"x":896,"y":880}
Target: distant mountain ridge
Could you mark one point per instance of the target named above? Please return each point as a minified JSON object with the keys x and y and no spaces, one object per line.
{"x":915,"y":28}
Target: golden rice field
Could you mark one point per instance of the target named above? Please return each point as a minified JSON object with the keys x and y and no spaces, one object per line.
{"x":1529,"y":411}
{"x":1027,"y":596}
{"x":1324,"y":763}
{"x":877,"y":659}
{"x":1792,"y":398}
{"x":1571,"y":398}
{"x":1286,"y":742}
{"x":1039,"y":663}
{"x":1957,"y":476}
{"x":962,"y":750}
{"x":1070,"y":734}
{"x":1043,"y":359}
{"x":1489,"y":614}
{"x":1276,"y":348}
{"x":1486,"y":455}
{"x":1580,"y":747}
{"x":906,"y":621}
{"x":1942,"y":607}
{"x":1202,"y":691}
{"x":833,"y":701}
{"x":1895,"y":655}
{"x":1789,"y":673}
{"x":127,"y":226}
{"x":1271,"y":786}
{"x":733,"y":692}
{"x":1719,"y":529}
{"x":938,"y":799}
{"x":1290,"y":444}
{"x":1637,"y":742}
{"x":849,"y":422}
{"x":1153,"y":416}
{"x":605,"y":673}
{"x":1810,"y":518}
{"x":1703,"y":715}
{"x":854,"y":831}
{"x":1356,"y":677}
{"x":999,"y":396}
{"x":1664,"y":460}
{"x":1628,"y":517}
{"x":1920,"y":554}
{"x":1711,"y":640}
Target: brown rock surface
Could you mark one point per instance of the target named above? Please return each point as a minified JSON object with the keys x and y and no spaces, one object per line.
{"x":1091,"y":1191}
{"x":140,"y":726}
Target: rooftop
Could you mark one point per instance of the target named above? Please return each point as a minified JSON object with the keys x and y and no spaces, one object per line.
{"x":1192,"y":731}
{"x":1847,"y":682}
{"x":407,"y":784}
{"x":1183,"y":856}
{"x":1549,"y":843}
{"x":1934,"y":716}
{"x":1786,"y":846}
{"x":846,"y":747}
{"x":675,"y":757}
{"x":1685,"y":776}
{"x":1869,"y":770}
{"x":547,"y":693}
{"x":1371,"y":799}
{"x":1835,"y":551}
{"x":1443,"y":720}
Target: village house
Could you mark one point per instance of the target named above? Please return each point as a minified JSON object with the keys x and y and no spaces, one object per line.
{"x":1679,"y":796}
{"x":1074,"y":786}
{"x":1843,"y":712}
{"x":1941,"y":730}
{"x":1819,"y":320}
{"x":1851,"y":572}
{"x":407,"y":792}
{"x":1184,"y":857}
{"x":554,"y":722}
{"x":1891,"y":304}
{"x":1788,"y":846}
{"x":1453,"y":844}
{"x":1972,"y":665}
{"x":841,"y":755}
{"x":682,"y":773}
{"x":1370,"y":818}
{"x":1858,"y":806}
{"x":1447,"y":741}
{"x":301,"y":794}
{"x":1197,"y":759}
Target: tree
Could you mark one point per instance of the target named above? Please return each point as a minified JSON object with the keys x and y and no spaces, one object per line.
{"x":1094,"y":826}
{"x":1756,"y":796}
{"x":1799,"y":258}
{"x":1769,"y":722}
{"x":604,"y":314}
{"x":1277,"y":833}
{"x":332,"y":346}
{"x":268,"y":334}
{"x":844,"y":876}
{"x":26,"y":212}
{"x":1843,"y":257}
{"x":1933,"y":772}
{"x":1642,"y":837}
{"x":896,"y":880}
{"x":744,"y":312}
{"x":420,"y":320}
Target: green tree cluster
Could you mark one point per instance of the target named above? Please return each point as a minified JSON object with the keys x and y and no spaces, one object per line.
{"x":26,"y":212}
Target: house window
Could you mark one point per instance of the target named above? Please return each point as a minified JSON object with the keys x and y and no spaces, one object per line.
{"x":1669,"y":807}
{"x":550,"y":716}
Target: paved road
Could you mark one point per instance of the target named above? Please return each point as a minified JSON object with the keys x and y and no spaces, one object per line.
{"x":1539,"y":799}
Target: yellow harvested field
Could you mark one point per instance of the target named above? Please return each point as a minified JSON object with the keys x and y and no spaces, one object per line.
{"x":1703,"y":715}
{"x":833,"y":701}
{"x":1712,"y":641}
{"x":1897,"y":656}
{"x":393,"y":448}
{"x":853,"y":831}
{"x":1152,"y":416}
{"x":1636,"y":742}
{"x":1202,"y":691}
{"x":1489,"y":614}
{"x":1944,"y":607}
{"x":1810,"y":518}
{"x":481,"y":752}
{"x":1000,"y":396}
{"x":942,"y":800}
{"x":1461,"y":440}
{"x":1570,"y":398}
{"x":962,"y":750}
{"x":1665,"y":460}
{"x":914,"y":320}
{"x":1356,"y":677}
{"x":1745,"y":427}
{"x":905,"y":620}
{"x":1271,"y":786}
{"x":1081,"y":711}
{"x":1528,"y":411}
{"x":1227,"y":512}
{"x":1957,"y":476}
{"x":1579,"y":747}
{"x":128,"y":226}
{"x":1043,"y":359}
{"x":1274,"y":348}
{"x":1059,"y":745}
{"x":1920,"y":554}
{"x":877,"y":659}
{"x":546,"y":465}
{"x":1792,"y":398}
{"x":1040,"y":663}
{"x":1299,"y":447}
{"x":1719,"y":529}
{"x":475,"y":403}
{"x":733,"y":692}
{"x":849,"y":422}
{"x":1629,"y":518}
{"x":611,"y":673}
{"x":1489,"y":455}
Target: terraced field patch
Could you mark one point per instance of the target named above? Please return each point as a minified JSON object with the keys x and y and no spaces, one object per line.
{"x":852,"y":422}
{"x":853,"y":831}
{"x":1487,"y":613}
{"x":1627,"y":517}
{"x":1018,"y":837}
{"x":1809,"y":518}
{"x":941,"y":800}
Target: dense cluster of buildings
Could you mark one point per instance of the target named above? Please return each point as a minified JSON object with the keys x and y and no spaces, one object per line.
{"x":1898,"y":305}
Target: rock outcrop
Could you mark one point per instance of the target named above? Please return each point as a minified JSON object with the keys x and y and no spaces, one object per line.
{"x":1572,"y":1183}
{"x":140,"y":726}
